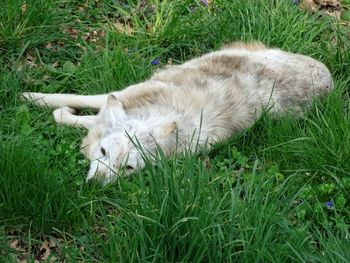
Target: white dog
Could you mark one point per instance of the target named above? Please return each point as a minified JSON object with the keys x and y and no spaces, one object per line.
{"x":204,"y":100}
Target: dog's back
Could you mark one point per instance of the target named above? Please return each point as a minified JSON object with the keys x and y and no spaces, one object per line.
{"x":287,"y":80}
{"x":227,"y":89}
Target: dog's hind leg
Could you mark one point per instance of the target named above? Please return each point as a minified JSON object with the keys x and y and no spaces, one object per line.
{"x":55,"y":100}
{"x":66,"y":115}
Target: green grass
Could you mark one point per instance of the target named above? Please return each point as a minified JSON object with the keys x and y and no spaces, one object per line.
{"x":258,"y":197}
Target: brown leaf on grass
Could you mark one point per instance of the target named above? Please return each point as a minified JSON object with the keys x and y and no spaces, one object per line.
{"x":144,"y":8}
{"x":44,"y":251}
{"x":47,"y":247}
{"x":94,"y":35}
{"x":55,"y":64}
{"x":21,"y":250}
{"x":102,"y":33}
{"x":334,"y":13}
{"x":48,"y":45}
{"x":73,"y":32}
{"x":331,"y":7}
{"x":14,"y":243}
{"x":124,"y":28}
{"x":60,"y":44}
{"x":101,"y":231}
{"x":47,"y":251}
{"x":86,"y":36}
{"x":328,"y":7}
{"x":310,"y":5}
{"x":30,"y":60}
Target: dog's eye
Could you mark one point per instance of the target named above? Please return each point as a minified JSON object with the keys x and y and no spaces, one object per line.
{"x":103,"y":151}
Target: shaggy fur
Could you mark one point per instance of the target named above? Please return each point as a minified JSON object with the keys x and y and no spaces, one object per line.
{"x":204,"y":100}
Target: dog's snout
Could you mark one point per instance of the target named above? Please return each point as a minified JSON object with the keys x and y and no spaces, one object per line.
{"x":97,"y":176}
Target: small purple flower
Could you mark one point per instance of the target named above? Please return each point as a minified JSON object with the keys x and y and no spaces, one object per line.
{"x":205,"y":2}
{"x":155,"y":61}
{"x":329,"y":204}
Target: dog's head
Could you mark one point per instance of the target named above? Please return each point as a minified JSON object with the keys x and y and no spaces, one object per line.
{"x":118,"y":143}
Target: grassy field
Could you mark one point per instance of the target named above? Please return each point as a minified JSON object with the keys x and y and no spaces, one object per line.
{"x":278,"y":192}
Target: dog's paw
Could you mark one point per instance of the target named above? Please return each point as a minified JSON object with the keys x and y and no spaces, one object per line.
{"x":63,"y":113}
{"x":26,"y":96}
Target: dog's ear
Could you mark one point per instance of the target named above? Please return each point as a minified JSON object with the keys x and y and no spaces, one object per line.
{"x":163,"y":131}
{"x":114,"y":101}
{"x":114,"y":108}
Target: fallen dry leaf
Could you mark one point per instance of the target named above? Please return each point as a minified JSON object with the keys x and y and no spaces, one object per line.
{"x":73,"y":32}
{"x":328,"y":7}
{"x":20,"y":248}
{"x":310,"y":5}
{"x":124,"y":28}
{"x":14,"y":244}
{"x":46,"y":77}
{"x":60,"y":43}
{"x":48,"y":45}
{"x":30,"y":60}
{"x":55,"y":64}
{"x":94,"y":35}
{"x":45,"y":250}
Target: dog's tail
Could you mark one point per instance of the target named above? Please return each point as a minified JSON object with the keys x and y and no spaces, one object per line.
{"x":54,"y":100}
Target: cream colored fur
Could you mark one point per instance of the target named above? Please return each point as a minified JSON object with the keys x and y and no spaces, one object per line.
{"x":202,"y":101}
